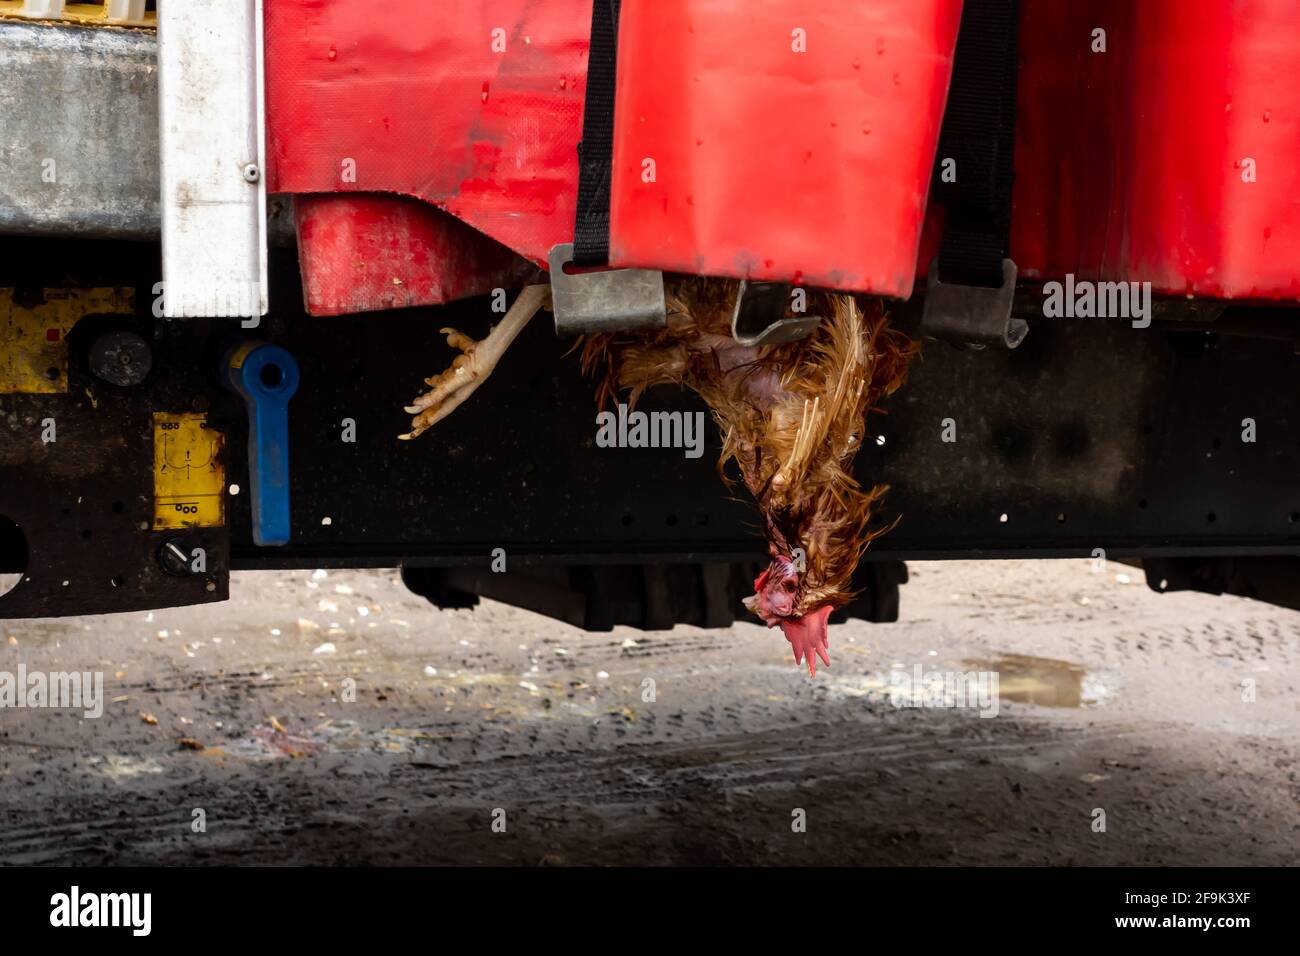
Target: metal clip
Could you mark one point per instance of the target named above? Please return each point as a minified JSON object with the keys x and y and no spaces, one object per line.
{"x":973,"y":316}
{"x":759,"y":317}
{"x":613,"y":300}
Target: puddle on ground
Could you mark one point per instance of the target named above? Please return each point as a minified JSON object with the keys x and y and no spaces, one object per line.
{"x":1043,"y":681}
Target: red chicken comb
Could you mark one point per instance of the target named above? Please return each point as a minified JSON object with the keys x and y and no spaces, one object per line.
{"x":807,"y":636}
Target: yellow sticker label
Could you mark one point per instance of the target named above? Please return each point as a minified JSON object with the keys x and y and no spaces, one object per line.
{"x":34,"y":334}
{"x":189,"y":481}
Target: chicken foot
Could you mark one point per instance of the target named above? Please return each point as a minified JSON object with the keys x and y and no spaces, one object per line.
{"x":449,"y":389}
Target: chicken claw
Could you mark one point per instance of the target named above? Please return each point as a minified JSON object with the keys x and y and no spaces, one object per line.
{"x":449,"y":389}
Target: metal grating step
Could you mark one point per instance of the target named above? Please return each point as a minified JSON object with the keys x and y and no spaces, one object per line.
{"x":122,"y":13}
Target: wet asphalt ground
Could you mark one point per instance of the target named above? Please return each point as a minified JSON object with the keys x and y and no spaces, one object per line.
{"x":338,"y":719}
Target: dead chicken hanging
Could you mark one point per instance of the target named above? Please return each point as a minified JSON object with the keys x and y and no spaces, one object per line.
{"x":792,"y":418}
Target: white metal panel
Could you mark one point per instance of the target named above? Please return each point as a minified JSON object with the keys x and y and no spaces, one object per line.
{"x":213,"y":147}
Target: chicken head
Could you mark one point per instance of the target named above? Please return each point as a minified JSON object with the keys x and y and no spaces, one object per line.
{"x":775,"y":600}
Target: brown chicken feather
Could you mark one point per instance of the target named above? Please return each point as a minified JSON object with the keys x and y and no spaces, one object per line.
{"x":791,"y":416}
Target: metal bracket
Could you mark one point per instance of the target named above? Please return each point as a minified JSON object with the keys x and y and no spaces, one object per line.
{"x":759,"y":317}
{"x":212,"y":136}
{"x":613,"y":300}
{"x":971,"y":316}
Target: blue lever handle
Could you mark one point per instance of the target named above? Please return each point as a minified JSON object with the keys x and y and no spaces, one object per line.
{"x":266,"y":376}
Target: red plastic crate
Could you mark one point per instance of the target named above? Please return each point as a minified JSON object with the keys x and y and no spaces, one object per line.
{"x":811,"y":167}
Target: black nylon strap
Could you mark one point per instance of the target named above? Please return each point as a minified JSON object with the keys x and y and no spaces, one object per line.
{"x":979,"y":133}
{"x":596,"y":151}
